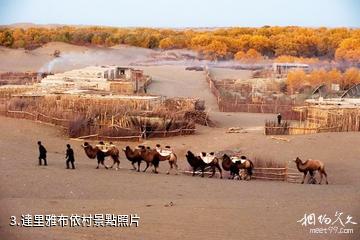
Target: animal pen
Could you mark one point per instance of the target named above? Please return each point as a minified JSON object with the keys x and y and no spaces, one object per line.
{"x":319,"y":118}
{"x":236,"y":96}
{"x":284,"y":174}
{"x":107,"y":117}
{"x":23,"y":78}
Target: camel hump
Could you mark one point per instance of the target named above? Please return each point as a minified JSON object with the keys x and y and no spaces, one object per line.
{"x":320,"y":163}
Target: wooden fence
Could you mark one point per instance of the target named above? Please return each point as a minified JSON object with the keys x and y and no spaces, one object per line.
{"x":141,"y":135}
{"x":272,"y":128}
{"x":278,"y":174}
{"x":285,"y":174}
{"x":64,"y":123}
{"x":232,"y":104}
{"x":38,"y":117}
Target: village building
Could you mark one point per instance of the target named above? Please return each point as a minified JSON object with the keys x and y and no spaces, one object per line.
{"x":115,"y":79}
{"x":282,"y":69}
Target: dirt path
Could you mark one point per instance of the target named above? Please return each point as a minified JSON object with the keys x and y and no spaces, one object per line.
{"x":173,"y":81}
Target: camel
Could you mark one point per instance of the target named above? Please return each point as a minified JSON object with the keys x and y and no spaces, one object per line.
{"x":133,"y":156}
{"x":150,"y":156}
{"x":96,"y":152}
{"x":167,"y":155}
{"x":311,"y":166}
{"x":235,"y":166}
{"x":197,"y":163}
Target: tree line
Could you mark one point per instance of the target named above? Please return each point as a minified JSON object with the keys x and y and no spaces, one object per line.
{"x":298,"y":80}
{"x":240,"y":43}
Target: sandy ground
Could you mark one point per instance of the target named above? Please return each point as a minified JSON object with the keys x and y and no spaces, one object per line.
{"x":225,"y":73}
{"x":202,"y":208}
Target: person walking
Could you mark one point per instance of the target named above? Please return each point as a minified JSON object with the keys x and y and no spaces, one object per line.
{"x":42,"y":154}
{"x":70,"y":157}
{"x":279,"y":117}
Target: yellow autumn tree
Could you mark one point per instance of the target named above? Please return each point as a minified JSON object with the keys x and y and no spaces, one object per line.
{"x":349,"y":50}
{"x":166,"y":43}
{"x":253,"y":55}
{"x":250,"y":56}
{"x":293,"y":59}
{"x":334,"y":76}
{"x":215,"y":50}
{"x":350,"y":77}
{"x":317,"y":77}
{"x":295,"y":80}
{"x":240,"y":55}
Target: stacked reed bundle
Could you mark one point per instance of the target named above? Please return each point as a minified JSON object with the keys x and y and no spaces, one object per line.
{"x":342,"y":118}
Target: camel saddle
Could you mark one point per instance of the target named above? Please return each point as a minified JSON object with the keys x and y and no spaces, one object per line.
{"x":237,"y":159}
{"x":164,"y":152}
{"x":105,"y":147}
{"x":207,"y":157}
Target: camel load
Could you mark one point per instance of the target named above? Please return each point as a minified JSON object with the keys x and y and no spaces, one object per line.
{"x":207,"y":157}
{"x":100,"y":155}
{"x":196,"y":162}
{"x":164,"y":152}
{"x":236,"y":159}
{"x":105,"y":147}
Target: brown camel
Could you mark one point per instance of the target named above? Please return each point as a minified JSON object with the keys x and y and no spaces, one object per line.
{"x":133,"y":156}
{"x":235,"y":167}
{"x":311,"y":166}
{"x":168,"y":155}
{"x":150,"y":156}
{"x":96,"y":152}
{"x":197,"y":163}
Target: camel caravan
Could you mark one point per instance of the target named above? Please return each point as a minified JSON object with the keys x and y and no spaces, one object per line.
{"x":239,"y":167}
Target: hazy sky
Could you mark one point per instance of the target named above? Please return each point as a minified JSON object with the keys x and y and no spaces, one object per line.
{"x":183,"y":13}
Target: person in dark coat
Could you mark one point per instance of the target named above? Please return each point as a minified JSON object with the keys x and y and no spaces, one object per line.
{"x":42,"y":154}
{"x":279,"y":117}
{"x":70,"y":157}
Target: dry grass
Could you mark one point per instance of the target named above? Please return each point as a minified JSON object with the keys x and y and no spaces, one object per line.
{"x":109,"y":117}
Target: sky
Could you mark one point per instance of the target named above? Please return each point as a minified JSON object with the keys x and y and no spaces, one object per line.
{"x":183,"y":13}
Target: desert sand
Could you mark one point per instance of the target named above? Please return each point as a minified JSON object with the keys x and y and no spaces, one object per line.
{"x":203,"y":208}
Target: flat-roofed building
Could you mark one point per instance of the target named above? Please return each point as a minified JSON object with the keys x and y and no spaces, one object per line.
{"x":103,"y":78}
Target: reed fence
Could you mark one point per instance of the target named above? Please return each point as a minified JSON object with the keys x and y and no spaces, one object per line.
{"x":285,"y":128}
{"x":64,"y":123}
{"x":235,"y":104}
{"x":285,"y":174}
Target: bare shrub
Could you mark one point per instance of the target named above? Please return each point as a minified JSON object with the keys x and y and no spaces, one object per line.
{"x":78,"y":127}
